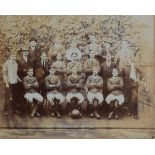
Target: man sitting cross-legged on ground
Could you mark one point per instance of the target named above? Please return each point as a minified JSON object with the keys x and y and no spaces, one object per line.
{"x":74,"y":84}
{"x":54,"y":97}
{"x":95,"y":97}
{"x":32,"y":96}
{"x":116,"y":97}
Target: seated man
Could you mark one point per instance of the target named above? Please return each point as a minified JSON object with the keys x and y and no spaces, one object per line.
{"x":74,"y":84}
{"x":95,"y":97}
{"x":32,"y":96}
{"x":116,"y":97}
{"x":54,"y":97}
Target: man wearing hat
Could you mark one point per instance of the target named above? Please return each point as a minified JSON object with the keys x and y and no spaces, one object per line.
{"x":34,"y":53}
{"x":23,"y":63}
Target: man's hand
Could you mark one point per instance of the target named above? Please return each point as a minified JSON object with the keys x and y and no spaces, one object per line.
{"x":93,"y":84}
{"x":19,"y":80}
{"x":52,"y":85}
{"x":35,"y":83}
{"x":7,"y":85}
{"x":29,"y":85}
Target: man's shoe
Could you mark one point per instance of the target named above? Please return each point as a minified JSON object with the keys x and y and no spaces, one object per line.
{"x":91,"y":115}
{"x":52,"y":114}
{"x":116,"y":116}
{"x":136,"y":117}
{"x":58,"y":115}
{"x":38,"y":114}
{"x":32,"y":115}
{"x":110,"y":115}
{"x":70,"y":114}
{"x":6,"y":113}
{"x":97,"y":115}
{"x":17,"y":112}
{"x":129,"y":114}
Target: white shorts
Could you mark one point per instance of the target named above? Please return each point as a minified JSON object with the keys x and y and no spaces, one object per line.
{"x":30,"y":96}
{"x":59,"y":96}
{"x":112,"y":97}
{"x":79,"y":96}
{"x":97,"y":95}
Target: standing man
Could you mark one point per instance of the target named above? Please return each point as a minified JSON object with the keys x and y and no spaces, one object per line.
{"x":34,"y":53}
{"x":95,"y":97}
{"x":23,"y":63}
{"x":11,"y":80}
{"x":130,"y":75}
{"x":41,"y":71}
{"x":106,"y":69}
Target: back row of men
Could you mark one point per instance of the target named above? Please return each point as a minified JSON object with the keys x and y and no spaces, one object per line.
{"x":59,"y":79}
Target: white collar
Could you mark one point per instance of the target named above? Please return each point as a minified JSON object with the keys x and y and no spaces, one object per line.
{"x":96,"y":76}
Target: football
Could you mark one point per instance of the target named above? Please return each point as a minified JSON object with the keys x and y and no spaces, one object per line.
{"x":75,"y":114}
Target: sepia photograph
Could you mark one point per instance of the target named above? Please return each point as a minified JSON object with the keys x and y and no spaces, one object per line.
{"x":77,"y":76}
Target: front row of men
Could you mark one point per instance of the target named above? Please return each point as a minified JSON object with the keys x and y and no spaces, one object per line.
{"x":78,"y":91}
{"x":93,"y":88}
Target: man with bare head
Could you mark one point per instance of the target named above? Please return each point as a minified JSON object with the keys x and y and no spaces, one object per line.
{"x":73,"y":49}
{"x":115,"y":97}
{"x":54,"y":96}
{"x":32,"y":95}
{"x":95,"y":97}
{"x":131,"y":75}
{"x":94,"y":46}
{"x":75,"y":84}
{"x":11,"y":80}
{"x":90,"y":63}
{"x":74,"y":64}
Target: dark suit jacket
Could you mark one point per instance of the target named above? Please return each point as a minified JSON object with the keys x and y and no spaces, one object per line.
{"x":105,"y":71}
{"x":41,"y":71}
{"x":33,"y":57}
{"x":22,"y":67}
